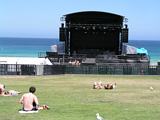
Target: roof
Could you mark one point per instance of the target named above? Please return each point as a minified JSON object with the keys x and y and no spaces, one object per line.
{"x":25,"y":60}
{"x":93,"y":17}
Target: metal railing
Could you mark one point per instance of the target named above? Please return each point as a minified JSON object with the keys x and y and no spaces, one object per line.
{"x":12,"y":69}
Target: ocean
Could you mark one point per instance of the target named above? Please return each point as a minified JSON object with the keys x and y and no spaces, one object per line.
{"x":152,"y":46}
{"x":25,"y":47}
{"x":31,"y":47}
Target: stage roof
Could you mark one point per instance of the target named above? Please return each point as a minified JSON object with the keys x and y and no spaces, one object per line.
{"x":93,"y":17}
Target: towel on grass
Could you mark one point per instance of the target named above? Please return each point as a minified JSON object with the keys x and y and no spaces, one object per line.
{"x":33,"y":111}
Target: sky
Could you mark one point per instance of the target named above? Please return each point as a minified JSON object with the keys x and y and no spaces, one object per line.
{"x":41,"y":18}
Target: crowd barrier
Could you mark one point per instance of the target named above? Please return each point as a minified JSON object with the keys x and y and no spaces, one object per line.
{"x":12,"y":69}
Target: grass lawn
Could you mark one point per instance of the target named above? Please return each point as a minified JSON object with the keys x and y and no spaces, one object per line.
{"x":71,"y":97}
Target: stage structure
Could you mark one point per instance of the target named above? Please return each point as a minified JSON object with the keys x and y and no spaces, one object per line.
{"x":93,"y":33}
{"x":96,"y":38}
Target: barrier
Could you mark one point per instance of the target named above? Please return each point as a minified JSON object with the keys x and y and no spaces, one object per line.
{"x":112,"y":69}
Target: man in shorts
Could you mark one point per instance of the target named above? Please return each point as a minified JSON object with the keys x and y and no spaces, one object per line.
{"x":29,"y":100}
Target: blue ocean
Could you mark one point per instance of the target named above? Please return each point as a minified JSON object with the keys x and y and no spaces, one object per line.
{"x":25,"y":47}
{"x":152,"y":46}
{"x":31,"y":47}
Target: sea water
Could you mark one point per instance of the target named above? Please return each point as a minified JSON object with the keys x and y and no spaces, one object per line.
{"x":25,"y":47}
{"x":31,"y":47}
{"x":152,"y":46}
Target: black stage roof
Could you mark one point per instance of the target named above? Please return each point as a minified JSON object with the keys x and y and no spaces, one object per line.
{"x":94,"y":17}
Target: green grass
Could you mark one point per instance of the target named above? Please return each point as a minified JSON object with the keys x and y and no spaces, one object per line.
{"x":71,"y":97}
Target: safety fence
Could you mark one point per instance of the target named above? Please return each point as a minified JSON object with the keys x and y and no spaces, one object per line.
{"x":113,"y":69}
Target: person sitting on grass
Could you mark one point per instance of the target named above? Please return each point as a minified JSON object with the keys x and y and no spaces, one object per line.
{"x":30,"y":101}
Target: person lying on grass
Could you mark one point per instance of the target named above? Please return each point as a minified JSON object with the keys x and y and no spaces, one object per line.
{"x":2,"y":89}
{"x":30,"y":101}
{"x":11,"y":93}
{"x":3,"y":92}
{"x":97,"y":85}
{"x":110,"y":86}
{"x":100,"y":85}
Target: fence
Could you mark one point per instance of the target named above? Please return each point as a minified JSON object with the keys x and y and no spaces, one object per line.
{"x":113,"y":69}
{"x":12,"y":69}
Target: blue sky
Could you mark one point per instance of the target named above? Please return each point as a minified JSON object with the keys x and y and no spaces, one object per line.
{"x":41,"y":18}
